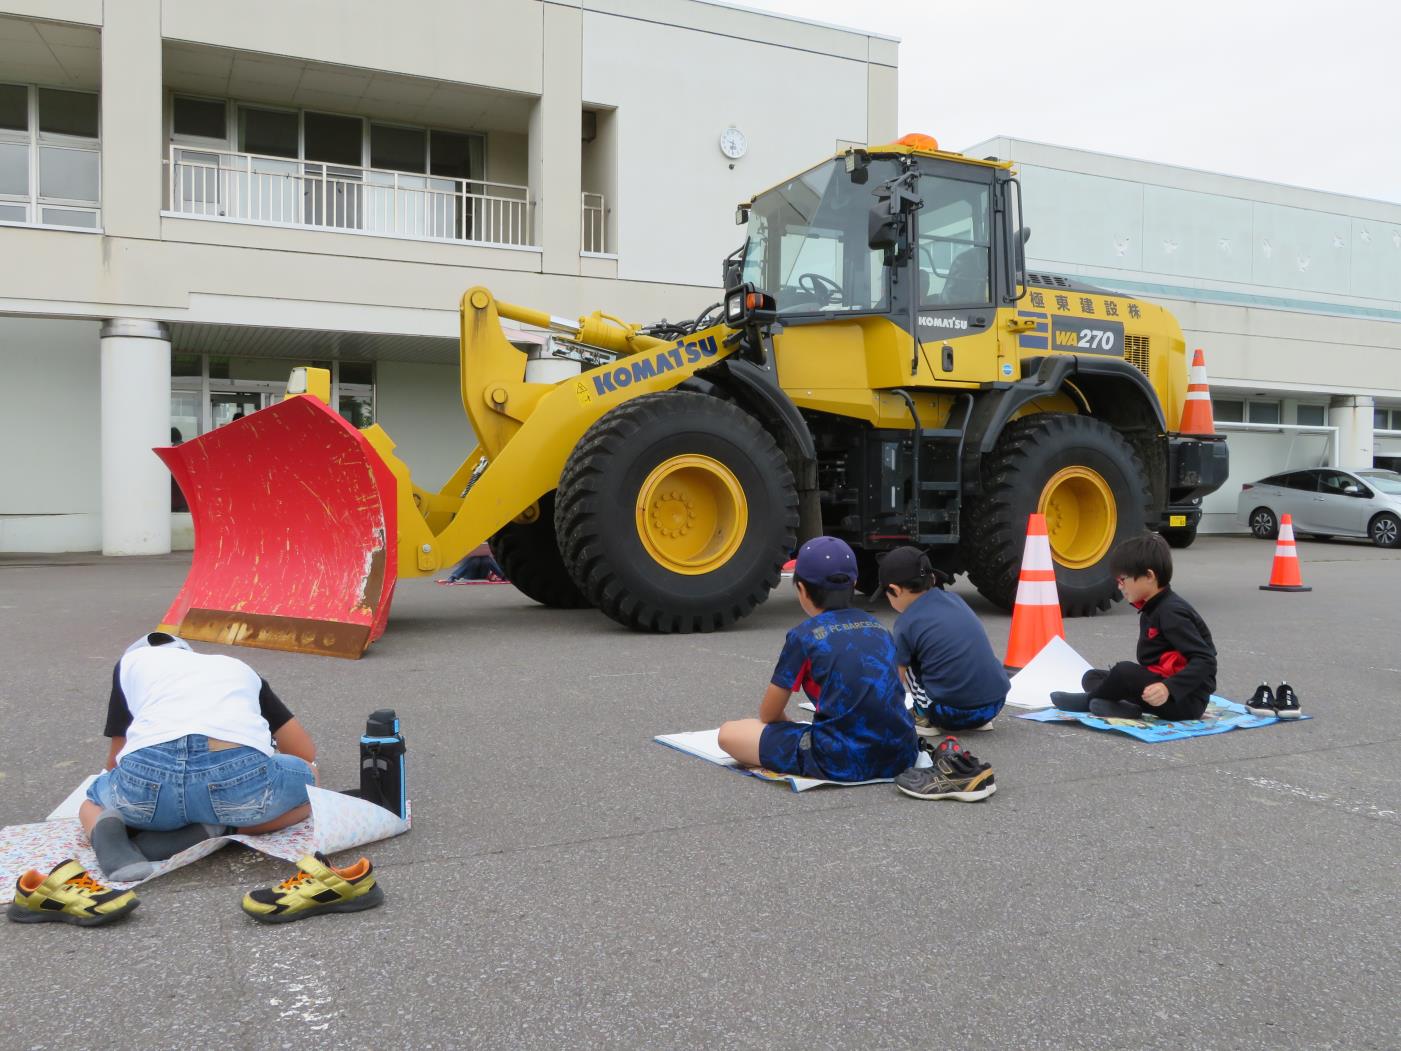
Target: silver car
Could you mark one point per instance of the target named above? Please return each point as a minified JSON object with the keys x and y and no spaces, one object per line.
{"x":1325,"y":502}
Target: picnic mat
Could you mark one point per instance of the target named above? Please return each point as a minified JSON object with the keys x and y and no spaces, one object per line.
{"x":338,"y":822}
{"x":1220,"y":716}
{"x":704,"y":744}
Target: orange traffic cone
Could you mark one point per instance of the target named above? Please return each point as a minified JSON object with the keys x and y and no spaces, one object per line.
{"x":1196,"y":410}
{"x":789,"y":567}
{"x":1284,"y":576}
{"x":1036,"y":614}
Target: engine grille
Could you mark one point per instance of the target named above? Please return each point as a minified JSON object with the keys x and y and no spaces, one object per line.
{"x":1136,"y":352}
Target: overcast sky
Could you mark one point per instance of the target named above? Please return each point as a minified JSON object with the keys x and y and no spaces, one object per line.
{"x":1294,"y":91}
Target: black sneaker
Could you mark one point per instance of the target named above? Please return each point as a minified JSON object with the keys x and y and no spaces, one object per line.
{"x":1287,"y":702}
{"x":955,"y":774}
{"x":1262,"y":701}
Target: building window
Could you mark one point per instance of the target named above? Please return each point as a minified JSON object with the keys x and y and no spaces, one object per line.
{"x":1379,"y":420}
{"x":1228,"y":411}
{"x":50,"y":156}
{"x":1264,"y":411}
{"x":1311,"y":415}
{"x":199,"y":119}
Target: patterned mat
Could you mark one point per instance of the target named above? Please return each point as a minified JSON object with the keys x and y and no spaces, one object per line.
{"x":1221,"y":716}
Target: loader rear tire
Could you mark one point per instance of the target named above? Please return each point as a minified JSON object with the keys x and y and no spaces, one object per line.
{"x":528,"y":554}
{"x":676,"y":512}
{"x":1091,"y":486}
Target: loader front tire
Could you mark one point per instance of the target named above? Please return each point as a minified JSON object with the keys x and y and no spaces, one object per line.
{"x":676,"y":512}
{"x":1088,"y":482}
{"x":528,"y":555}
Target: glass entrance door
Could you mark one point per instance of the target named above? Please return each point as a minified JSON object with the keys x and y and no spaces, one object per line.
{"x":226,"y":406}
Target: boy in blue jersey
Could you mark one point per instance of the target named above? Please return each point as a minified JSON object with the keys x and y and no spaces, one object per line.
{"x":844,"y":660}
{"x":945,"y":659}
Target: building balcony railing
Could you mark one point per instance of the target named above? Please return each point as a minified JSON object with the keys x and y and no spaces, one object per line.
{"x":255,"y":188}
{"x":594,"y":235}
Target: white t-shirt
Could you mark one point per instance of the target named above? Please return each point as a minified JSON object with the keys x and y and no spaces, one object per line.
{"x":172,"y":692}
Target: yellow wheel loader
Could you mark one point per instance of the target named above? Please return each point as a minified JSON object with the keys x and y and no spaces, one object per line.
{"x":882,"y":368}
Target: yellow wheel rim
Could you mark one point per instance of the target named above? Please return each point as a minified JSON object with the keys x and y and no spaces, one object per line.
{"x":1081,"y":516}
{"x":691,"y":514}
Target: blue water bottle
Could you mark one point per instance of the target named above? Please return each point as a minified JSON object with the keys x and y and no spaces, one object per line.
{"x":382,"y":762}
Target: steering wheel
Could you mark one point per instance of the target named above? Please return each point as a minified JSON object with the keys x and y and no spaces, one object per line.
{"x":821,"y":288}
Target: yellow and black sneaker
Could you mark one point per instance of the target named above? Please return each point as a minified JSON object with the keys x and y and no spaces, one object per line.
{"x":68,"y":894}
{"x":316,"y":888}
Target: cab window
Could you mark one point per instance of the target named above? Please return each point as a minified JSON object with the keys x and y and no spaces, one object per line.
{"x":954,"y":243}
{"x":807,"y":243}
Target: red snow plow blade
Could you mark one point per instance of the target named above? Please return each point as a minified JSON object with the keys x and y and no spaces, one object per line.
{"x":295,"y":533}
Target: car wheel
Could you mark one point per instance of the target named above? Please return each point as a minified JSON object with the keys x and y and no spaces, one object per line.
{"x":1264,"y":524}
{"x":1385,"y":530}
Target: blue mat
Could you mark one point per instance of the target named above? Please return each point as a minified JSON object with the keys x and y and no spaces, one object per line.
{"x":1220,"y":717}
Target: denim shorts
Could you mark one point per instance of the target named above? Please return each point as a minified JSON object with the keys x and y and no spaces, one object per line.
{"x":173,"y":784}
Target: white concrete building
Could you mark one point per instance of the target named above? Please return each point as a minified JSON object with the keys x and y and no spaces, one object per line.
{"x":1293,"y":294}
{"x":194,"y":198}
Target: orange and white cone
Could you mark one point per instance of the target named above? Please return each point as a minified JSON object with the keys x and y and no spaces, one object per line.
{"x":1036,"y":614}
{"x":1284,"y":575}
{"x":1196,"y":410}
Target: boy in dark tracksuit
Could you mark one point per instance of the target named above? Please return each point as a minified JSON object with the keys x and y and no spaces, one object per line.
{"x":1175,"y":674}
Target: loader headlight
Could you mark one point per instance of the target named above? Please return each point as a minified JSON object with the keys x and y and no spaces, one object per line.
{"x":734,"y":308}
{"x":746,"y":304}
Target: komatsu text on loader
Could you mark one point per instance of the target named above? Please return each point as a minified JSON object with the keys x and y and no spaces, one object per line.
{"x":882,"y":369}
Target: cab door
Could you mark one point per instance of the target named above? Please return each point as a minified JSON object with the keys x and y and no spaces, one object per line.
{"x":955,"y":319}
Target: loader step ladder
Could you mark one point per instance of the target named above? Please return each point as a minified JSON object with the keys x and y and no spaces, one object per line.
{"x":913,"y":482}
{"x":936,"y":480}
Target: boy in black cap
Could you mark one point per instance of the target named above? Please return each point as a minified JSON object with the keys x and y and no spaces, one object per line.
{"x":844,"y":660}
{"x":1175,"y":673}
{"x":946,"y":661}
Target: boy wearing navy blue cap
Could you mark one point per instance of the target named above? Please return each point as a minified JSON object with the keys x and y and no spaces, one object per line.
{"x":844,"y":660}
{"x":957,"y":682}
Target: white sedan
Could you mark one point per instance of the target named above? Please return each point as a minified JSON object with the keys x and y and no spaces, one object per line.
{"x":1325,"y":502}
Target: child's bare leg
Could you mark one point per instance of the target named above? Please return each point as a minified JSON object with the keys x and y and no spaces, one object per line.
{"x":740,"y":737}
{"x":88,"y":814}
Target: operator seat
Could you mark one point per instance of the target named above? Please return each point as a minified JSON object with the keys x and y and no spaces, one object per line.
{"x":967,"y":282}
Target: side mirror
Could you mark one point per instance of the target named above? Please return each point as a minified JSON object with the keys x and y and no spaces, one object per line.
{"x":884,"y":230}
{"x":1351,"y":490}
{"x":733,"y":270}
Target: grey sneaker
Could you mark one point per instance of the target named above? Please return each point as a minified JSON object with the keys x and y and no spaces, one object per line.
{"x":955,"y":774}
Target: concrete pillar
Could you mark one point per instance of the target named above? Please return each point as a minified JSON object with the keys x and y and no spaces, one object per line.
{"x":135,"y":419}
{"x":556,"y":141}
{"x":132,"y":149}
{"x":1352,"y":415}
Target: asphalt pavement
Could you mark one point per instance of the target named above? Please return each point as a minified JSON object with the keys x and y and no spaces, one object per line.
{"x":570,"y":883}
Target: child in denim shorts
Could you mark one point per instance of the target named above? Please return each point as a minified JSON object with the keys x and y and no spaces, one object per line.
{"x":200,"y":746}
